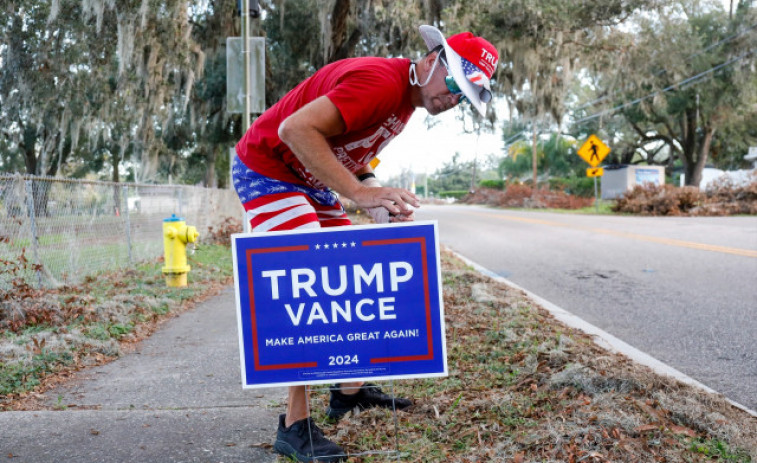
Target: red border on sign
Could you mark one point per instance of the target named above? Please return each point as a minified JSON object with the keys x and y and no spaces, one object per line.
{"x":426,"y":297}
{"x":258,"y":366}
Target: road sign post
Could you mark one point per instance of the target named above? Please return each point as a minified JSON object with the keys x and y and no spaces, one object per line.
{"x":593,"y":151}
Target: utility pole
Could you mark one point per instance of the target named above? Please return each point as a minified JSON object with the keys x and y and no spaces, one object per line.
{"x":245,"y":14}
{"x":533,"y":154}
{"x":473,"y":176}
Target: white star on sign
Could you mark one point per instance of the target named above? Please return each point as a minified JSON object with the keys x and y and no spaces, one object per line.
{"x":325,"y":246}
{"x":344,"y":245}
{"x":352,"y":244}
{"x":318,"y":246}
{"x":336,"y":245}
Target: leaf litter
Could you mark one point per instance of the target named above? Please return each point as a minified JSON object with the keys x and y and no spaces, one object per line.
{"x":522,"y":387}
{"x":47,"y":334}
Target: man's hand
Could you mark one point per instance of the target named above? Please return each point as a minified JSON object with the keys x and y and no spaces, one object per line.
{"x":393,"y":203}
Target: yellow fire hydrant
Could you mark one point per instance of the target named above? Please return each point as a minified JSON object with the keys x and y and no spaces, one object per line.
{"x":176,"y":235}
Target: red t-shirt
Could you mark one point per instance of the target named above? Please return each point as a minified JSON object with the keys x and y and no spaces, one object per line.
{"x":373,"y":97}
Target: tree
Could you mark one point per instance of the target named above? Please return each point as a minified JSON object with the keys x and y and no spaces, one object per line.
{"x":110,"y":74}
{"x":210,"y":128}
{"x":689,"y":75}
{"x":303,"y":36}
{"x":456,"y":175}
{"x":99,"y":84}
{"x":556,"y":156}
{"x":541,"y":44}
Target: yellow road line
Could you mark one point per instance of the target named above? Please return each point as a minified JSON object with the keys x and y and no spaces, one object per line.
{"x":635,"y":236}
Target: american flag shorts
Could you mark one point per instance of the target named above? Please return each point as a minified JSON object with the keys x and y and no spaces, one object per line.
{"x":272,"y":204}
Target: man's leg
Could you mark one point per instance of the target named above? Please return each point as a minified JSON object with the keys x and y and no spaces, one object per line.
{"x":297,"y":436}
{"x":297,"y":406}
{"x":347,"y":396}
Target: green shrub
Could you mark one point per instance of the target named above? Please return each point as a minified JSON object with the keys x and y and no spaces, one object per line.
{"x":457,"y":194}
{"x":493,"y":184}
{"x":576,"y":186}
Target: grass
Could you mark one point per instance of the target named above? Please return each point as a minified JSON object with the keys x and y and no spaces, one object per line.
{"x":605,"y":208}
{"x":719,"y":450}
{"x":80,"y":325}
{"x":24,"y":376}
{"x":521,"y":386}
{"x":64,"y":265}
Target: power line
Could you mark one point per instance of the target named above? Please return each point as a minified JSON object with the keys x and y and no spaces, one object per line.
{"x":727,"y":39}
{"x":514,"y":137}
{"x":680,"y":84}
{"x":684,"y":82}
{"x":666,"y":89}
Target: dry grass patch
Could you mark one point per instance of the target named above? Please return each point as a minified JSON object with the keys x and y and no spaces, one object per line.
{"x":525,"y":388}
{"x":45,"y":334}
{"x":522,"y":387}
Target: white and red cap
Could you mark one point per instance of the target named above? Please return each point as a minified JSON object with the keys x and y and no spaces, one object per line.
{"x":472,"y":61}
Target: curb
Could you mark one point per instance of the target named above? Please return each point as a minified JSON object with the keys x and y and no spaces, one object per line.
{"x":601,"y":337}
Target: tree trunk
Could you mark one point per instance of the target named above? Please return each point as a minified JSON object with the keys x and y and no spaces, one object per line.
{"x":27,"y":144}
{"x":342,"y":42}
{"x":115,"y":179}
{"x":688,"y":147}
{"x":703,"y":152}
{"x":56,"y":163}
{"x":149,"y":156}
{"x":473,"y":178}
{"x":210,"y":168}
{"x":695,"y":147}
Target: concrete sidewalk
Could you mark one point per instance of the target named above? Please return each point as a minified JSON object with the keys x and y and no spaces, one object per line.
{"x":177,"y":398}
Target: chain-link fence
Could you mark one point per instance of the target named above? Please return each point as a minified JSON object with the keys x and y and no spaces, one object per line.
{"x":72,"y":228}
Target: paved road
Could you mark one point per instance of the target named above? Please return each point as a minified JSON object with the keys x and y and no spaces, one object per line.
{"x":683,"y":290}
{"x":178,"y":398}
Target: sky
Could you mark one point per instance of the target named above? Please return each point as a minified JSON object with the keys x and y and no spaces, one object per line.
{"x":424,"y":150}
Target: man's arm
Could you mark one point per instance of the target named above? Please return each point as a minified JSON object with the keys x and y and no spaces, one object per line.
{"x":306,"y":132}
{"x":380,"y":214}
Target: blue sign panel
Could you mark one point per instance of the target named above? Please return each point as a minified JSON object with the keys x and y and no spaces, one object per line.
{"x":653,"y":176}
{"x":343,"y":303}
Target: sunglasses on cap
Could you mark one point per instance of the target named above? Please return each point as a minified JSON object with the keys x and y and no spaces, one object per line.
{"x":485,"y":95}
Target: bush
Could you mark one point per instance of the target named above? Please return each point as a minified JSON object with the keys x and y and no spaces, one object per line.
{"x":576,"y":186}
{"x":493,"y":184}
{"x":721,"y":199}
{"x":651,"y":199}
{"x":221,"y":233}
{"x":457,"y":194}
{"x":725,"y":198}
{"x":517,"y":195}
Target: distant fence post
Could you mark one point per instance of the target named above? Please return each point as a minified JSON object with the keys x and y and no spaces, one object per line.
{"x":33,"y":226}
{"x":125,"y":189}
{"x":180,"y":194}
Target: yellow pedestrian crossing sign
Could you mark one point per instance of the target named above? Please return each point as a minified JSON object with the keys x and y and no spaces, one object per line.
{"x":595,"y":172}
{"x":593,"y":151}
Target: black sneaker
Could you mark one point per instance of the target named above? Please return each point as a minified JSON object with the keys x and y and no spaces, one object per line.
{"x":368,"y":396}
{"x":294,"y":442}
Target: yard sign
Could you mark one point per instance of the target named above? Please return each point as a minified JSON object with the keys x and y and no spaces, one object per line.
{"x":336,"y":304}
